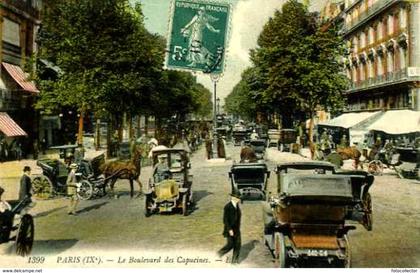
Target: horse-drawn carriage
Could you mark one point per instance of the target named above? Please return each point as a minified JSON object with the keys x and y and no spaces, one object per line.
{"x":53,"y":179}
{"x":249,"y":179}
{"x":22,"y":233}
{"x":305,"y":222}
{"x":169,"y":188}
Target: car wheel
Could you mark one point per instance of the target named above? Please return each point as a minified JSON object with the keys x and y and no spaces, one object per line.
{"x":279,"y":249}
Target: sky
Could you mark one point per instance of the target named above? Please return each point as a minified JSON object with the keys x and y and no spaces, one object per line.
{"x":248,"y":19}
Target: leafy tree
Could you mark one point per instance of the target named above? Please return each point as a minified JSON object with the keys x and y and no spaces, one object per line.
{"x":109,"y":62}
{"x":298,"y":63}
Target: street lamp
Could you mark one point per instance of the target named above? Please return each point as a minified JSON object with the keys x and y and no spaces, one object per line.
{"x":218,"y":105}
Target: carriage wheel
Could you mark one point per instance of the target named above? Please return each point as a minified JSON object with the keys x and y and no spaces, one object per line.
{"x":85,"y":191}
{"x":42,"y":187}
{"x":347,"y":261}
{"x":368,"y":215}
{"x":279,"y":249}
{"x":147,"y":210}
{"x":184,"y":205}
{"x":375,"y":167}
{"x":25,"y":236}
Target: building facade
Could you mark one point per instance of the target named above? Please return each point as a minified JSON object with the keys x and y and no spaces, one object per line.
{"x":19,"y":23}
{"x":383,"y":63}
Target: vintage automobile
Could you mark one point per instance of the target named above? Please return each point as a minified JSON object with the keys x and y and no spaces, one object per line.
{"x":239,"y":136}
{"x":305,"y":222}
{"x":249,"y":179}
{"x":273,"y":138}
{"x":22,"y":233}
{"x":259,"y":147}
{"x":408,"y":163}
{"x":287,"y":138}
{"x":169,"y":188}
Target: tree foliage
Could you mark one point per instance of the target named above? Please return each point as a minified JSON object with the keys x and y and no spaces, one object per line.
{"x":107,"y":58}
{"x":299,"y":61}
{"x":296,"y":67}
{"x":109,"y":63}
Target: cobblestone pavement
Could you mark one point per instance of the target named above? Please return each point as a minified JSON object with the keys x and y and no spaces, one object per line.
{"x":118,"y":228}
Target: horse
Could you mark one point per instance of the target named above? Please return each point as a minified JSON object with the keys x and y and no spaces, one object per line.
{"x":248,"y":155}
{"x":123,"y":169}
{"x":351,"y":153}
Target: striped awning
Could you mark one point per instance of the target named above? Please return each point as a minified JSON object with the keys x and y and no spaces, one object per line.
{"x":9,"y":127}
{"x":20,"y":77}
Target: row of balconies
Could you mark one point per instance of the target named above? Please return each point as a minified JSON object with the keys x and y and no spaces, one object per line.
{"x":380,"y":80}
{"x":377,"y":7}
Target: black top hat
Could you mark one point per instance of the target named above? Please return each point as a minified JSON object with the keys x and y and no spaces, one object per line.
{"x":236,"y":194}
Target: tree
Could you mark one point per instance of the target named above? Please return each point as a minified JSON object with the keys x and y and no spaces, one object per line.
{"x":299,"y":63}
{"x":109,"y":62}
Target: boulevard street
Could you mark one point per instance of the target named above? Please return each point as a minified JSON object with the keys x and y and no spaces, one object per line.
{"x":119,"y":225}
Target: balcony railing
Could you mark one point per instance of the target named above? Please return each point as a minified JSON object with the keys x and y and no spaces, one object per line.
{"x":381,"y":80}
{"x":369,"y":13}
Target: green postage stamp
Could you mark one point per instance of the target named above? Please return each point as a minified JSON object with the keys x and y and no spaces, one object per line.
{"x":198,"y":36}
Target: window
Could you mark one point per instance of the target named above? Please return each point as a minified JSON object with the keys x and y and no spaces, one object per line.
{"x":384,"y":28}
{"x":390,"y":62}
{"x":371,"y":35}
{"x":403,"y":18}
{"x":396,"y":23}
{"x":11,"y":32}
{"x":390,"y":24}
{"x":379,"y":31}
{"x":402,"y":57}
{"x":397,"y":63}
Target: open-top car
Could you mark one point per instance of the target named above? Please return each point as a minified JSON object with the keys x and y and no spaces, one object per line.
{"x":249,"y":179}
{"x":169,"y":188}
{"x":305,"y":223}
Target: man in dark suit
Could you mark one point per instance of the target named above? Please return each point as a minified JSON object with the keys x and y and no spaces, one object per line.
{"x":232,"y":225}
{"x":25,"y":184}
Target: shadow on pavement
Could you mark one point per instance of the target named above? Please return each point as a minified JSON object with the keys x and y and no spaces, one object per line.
{"x":246,"y":249}
{"x":93,"y":207}
{"x":198,"y":195}
{"x":48,"y":212}
{"x":52,"y":247}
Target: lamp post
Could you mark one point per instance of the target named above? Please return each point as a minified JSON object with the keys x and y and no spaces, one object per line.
{"x":218,"y":106}
{"x":215,"y":78}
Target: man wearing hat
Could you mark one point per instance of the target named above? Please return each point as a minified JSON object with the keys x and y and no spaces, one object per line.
{"x":25,"y":184}
{"x":72,"y":189}
{"x":232,"y":224}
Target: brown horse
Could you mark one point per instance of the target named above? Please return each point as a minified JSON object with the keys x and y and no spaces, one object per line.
{"x":120,"y":169}
{"x":248,"y":155}
{"x":351,"y":153}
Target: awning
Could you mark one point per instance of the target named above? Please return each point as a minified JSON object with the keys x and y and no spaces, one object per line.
{"x":9,"y":127}
{"x":20,"y":77}
{"x":348,"y":120}
{"x":397,"y":122}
